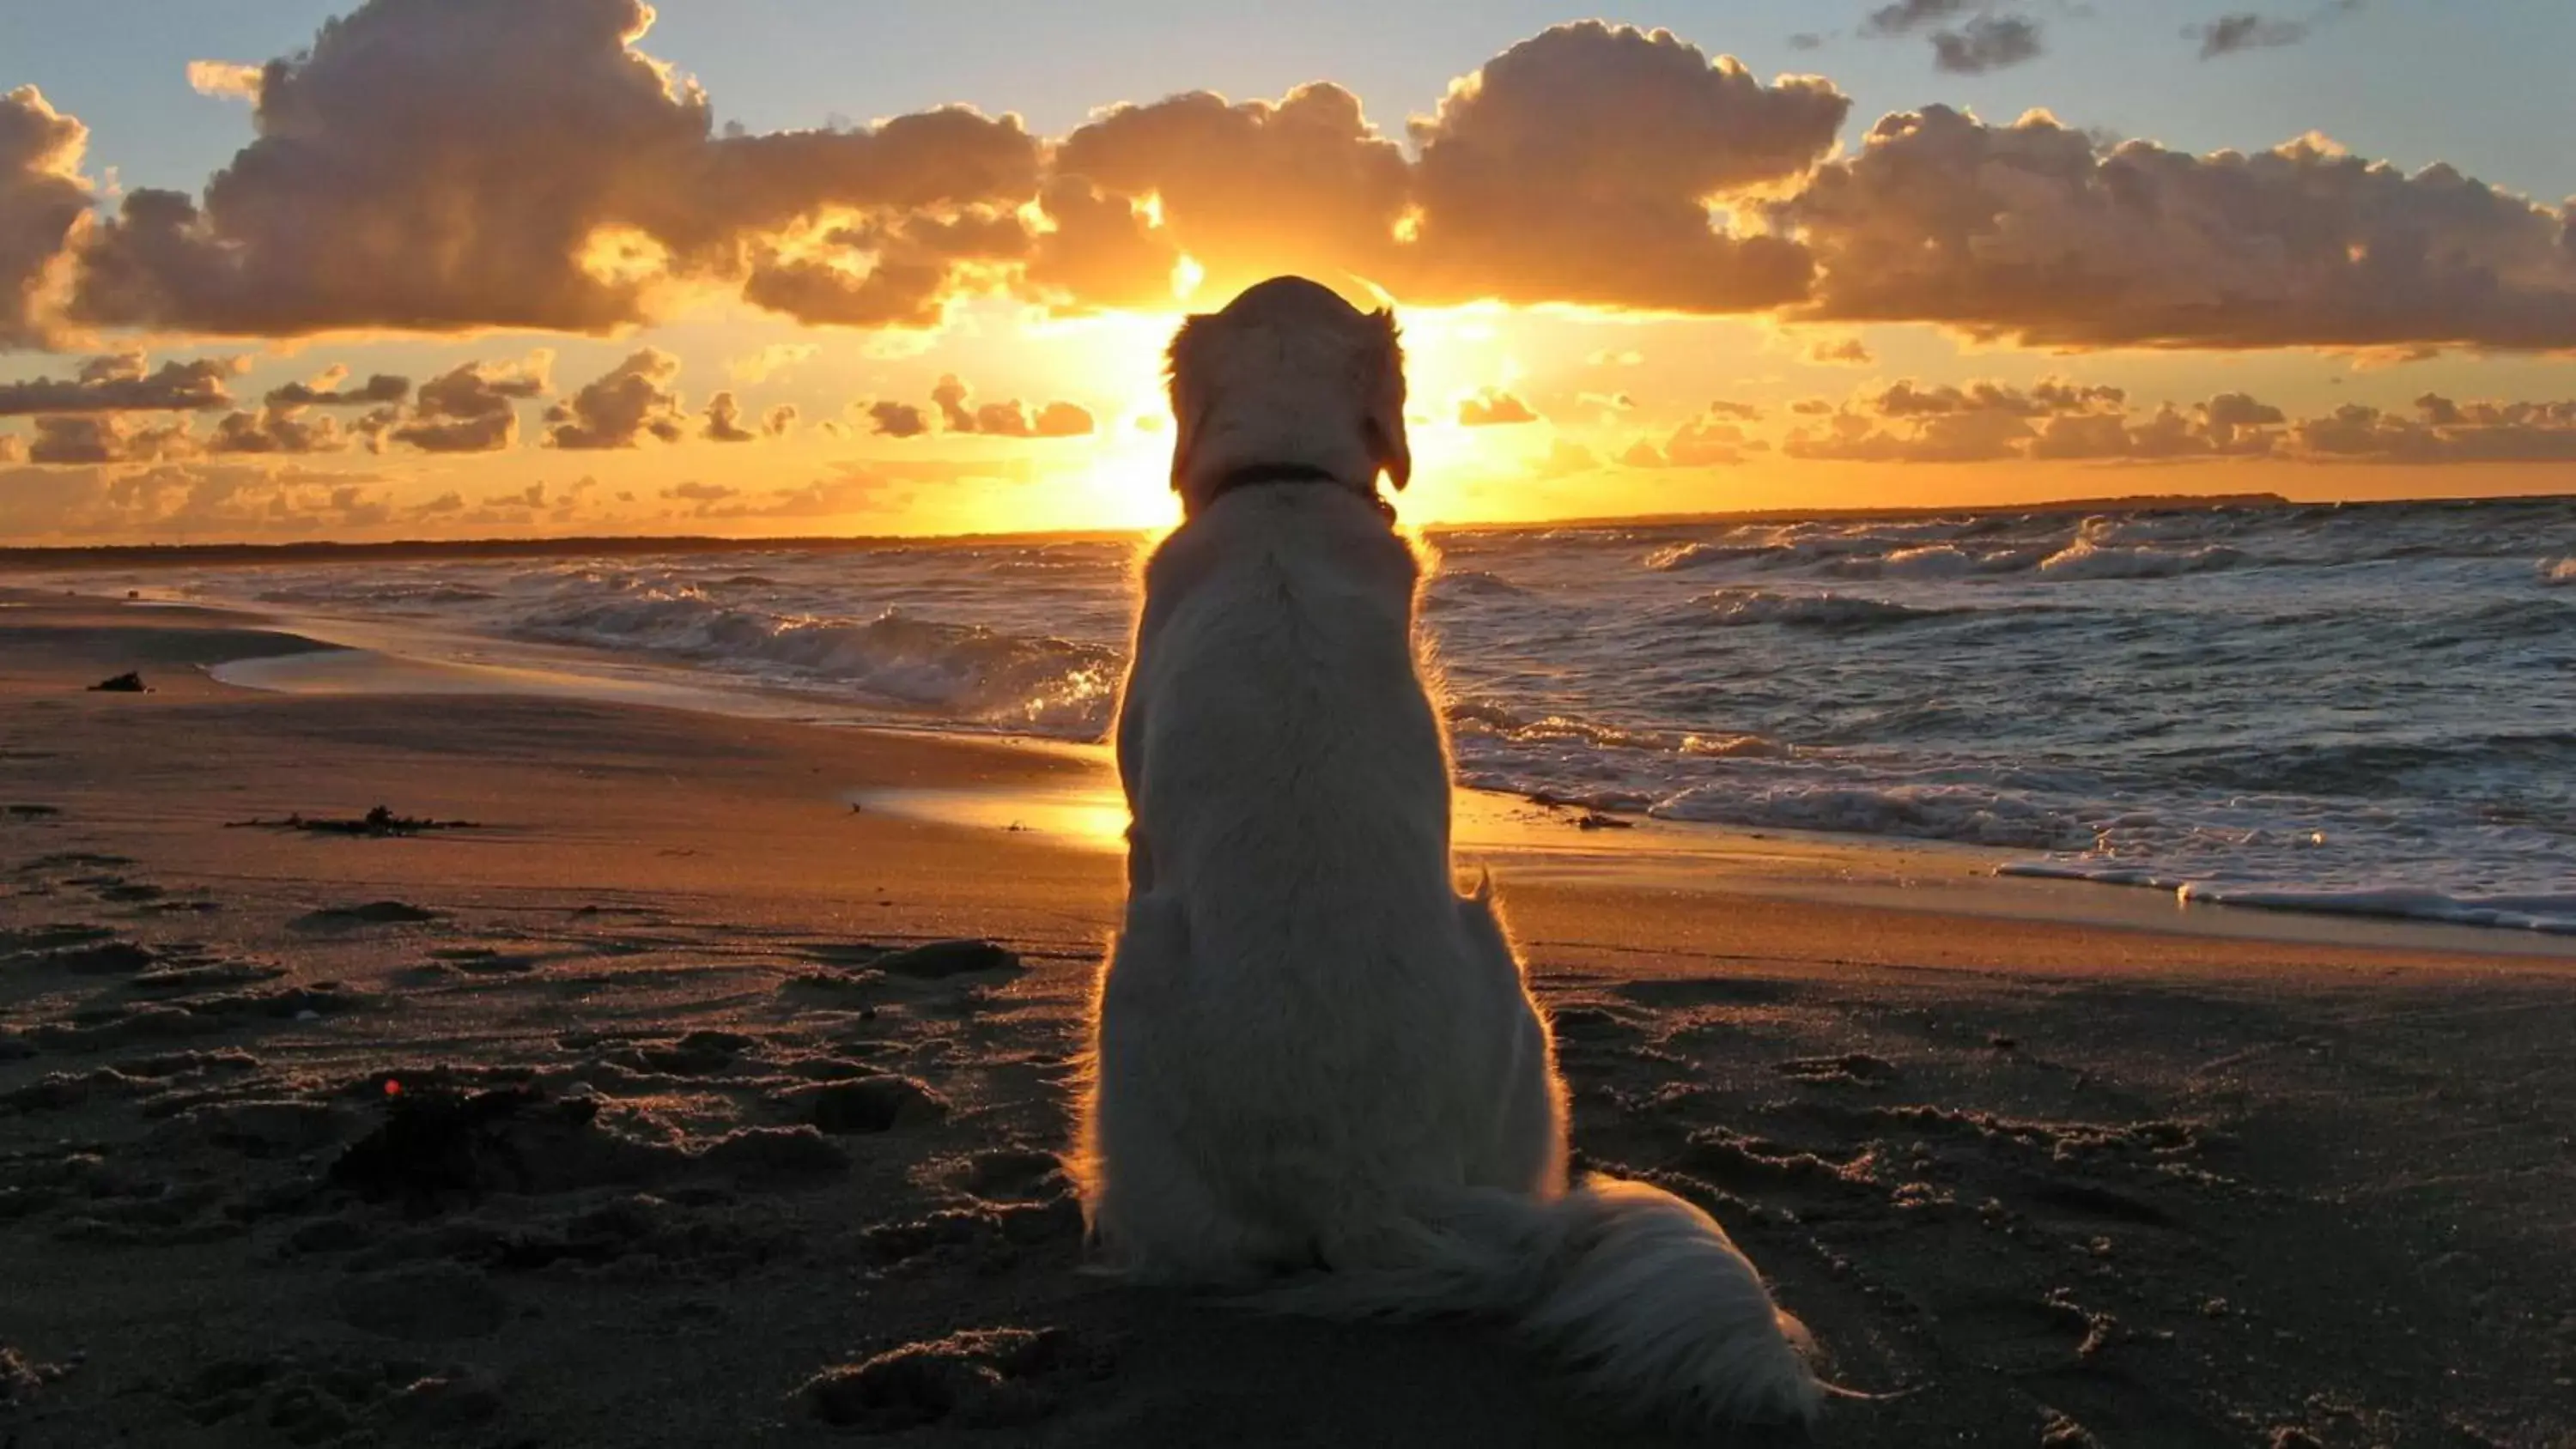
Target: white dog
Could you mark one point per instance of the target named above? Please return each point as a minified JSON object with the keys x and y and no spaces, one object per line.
{"x":1310,"y":1051}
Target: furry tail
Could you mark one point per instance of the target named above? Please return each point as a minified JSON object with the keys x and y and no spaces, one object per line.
{"x":1639,"y":1289}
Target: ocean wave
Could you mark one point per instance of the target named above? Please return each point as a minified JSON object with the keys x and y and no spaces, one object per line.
{"x":1462,"y":584}
{"x":355,"y":593}
{"x":2087,"y":558}
{"x":1487,"y":717}
{"x":1967,"y":814}
{"x":2550,"y":913}
{"x":1678,"y":557}
{"x":1739,"y":608}
{"x":1927,"y":561}
{"x":961,"y":671}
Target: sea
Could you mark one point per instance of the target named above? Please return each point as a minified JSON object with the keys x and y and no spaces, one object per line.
{"x":2355,"y":708}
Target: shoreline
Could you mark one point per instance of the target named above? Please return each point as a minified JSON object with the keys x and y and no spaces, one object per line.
{"x":323,"y":657}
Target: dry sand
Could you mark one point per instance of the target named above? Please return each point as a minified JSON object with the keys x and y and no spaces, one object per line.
{"x":689,"y":1149}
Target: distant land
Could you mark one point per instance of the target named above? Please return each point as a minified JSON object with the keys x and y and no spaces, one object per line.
{"x":628,"y":545}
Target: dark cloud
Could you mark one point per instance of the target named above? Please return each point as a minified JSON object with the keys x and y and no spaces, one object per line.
{"x":1578,"y":166}
{"x":1493,"y":407}
{"x":778,"y":420}
{"x":724,"y":421}
{"x":856,"y":488}
{"x":621,"y":406}
{"x":1910,"y":399}
{"x":284,"y":430}
{"x":2245,"y":30}
{"x":470,"y":408}
{"x":2443,"y":431}
{"x":1806,"y":40}
{"x":897,"y":419}
{"x":1907,"y":16}
{"x":2033,"y":232}
{"x":104,"y":438}
{"x":1723,"y":408}
{"x":439,"y":165}
{"x":1989,"y":42}
{"x":120,"y":383}
{"x":44,"y":200}
{"x":326,"y":392}
{"x":701,"y":496}
{"x":1843,"y":352}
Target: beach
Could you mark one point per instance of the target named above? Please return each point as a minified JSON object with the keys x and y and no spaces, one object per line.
{"x":636,"y":1080}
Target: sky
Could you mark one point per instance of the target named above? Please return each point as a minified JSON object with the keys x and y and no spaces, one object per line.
{"x":276,"y":269}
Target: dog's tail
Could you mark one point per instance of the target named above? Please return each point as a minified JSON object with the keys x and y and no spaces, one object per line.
{"x":1635,"y":1287}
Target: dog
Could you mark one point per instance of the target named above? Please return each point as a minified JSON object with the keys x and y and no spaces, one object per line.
{"x":1317,"y":1077}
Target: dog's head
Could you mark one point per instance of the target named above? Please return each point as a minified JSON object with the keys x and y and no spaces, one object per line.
{"x":1287,"y":378}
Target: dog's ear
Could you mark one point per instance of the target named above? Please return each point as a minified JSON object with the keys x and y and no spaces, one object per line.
{"x":1387,"y":444}
{"x":1181,"y":377}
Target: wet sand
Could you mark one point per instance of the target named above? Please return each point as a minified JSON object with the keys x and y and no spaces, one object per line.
{"x":635,"y":1112}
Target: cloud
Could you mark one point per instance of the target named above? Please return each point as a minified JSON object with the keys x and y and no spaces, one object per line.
{"x":104,"y":438}
{"x":1989,"y":42}
{"x":1724,"y":408}
{"x":1493,"y":407}
{"x":1566,"y":458}
{"x":958,"y":414}
{"x":191,"y":501}
{"x":471,"y":408}
{"x":778,"y":420}
{"x":1578,"y":166}
{"x":2034,"y":233}
{"x":703,"y":496}
{"x":228,"y":80}
{"x":724,"y":421}
{"x":621,"y":406}
{"x":2443,"y":431}
{"x":44,"y":204}
{"x":1246,"y":189}
{"x":770,"y":361}
{"x":378,"y":390}
{"x":2241,"y":31}
{"x":1841,"y":352}
{"x":897,"y":420}
{"x":444,"y":165}
{"x":1711,"y":440}
{"x":12,"y":447}
{"x":856,"y":488}
{"x":1907,"y":16}
{"x":276,"y":429}
{"x":119,"y":383}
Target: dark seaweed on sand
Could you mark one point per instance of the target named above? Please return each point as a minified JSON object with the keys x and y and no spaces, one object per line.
{"x":379,"y":822}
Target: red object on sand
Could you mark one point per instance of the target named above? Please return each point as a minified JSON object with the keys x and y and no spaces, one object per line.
{"x":393,"y":1088}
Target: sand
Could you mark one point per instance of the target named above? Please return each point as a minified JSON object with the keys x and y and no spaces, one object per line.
{"x":666,"y":1100}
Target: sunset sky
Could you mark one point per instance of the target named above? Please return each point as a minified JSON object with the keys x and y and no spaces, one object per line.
{"x":431,"y":268}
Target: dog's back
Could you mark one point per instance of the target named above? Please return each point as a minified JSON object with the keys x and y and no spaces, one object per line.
{"x":1322,"y":1010}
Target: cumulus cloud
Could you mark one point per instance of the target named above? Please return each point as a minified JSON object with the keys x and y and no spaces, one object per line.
{"x":44,"y":204}
{"x":2442,"y":430}
{"x":105,"y":438}
{"x":2034,"y":232}
{"x":120,"y":383}
{"x":2055,"y":419}
{"x":1493,"y":407}
{"x":1989,"y":42}
{"x":1841,"y":352}
{"x":958,"y":413}
{"x":1578,"y":166}
{"x":326,"y":391}
{"x":621,"y":406}
{"x":724,"y":421}
{"x":778,"y":420}
{"x":472,"y":408}
{"x":898,"y":419}
{"x":1246,"y":189}
{"x":439,"y":165}
{"x":284,"y":430}
{"x":1727,"y":408}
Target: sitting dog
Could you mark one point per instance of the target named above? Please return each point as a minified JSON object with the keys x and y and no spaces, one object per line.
{"x":1317,"y":1073}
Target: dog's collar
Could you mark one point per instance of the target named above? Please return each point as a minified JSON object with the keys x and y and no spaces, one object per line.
{"x":1253,"y":474}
